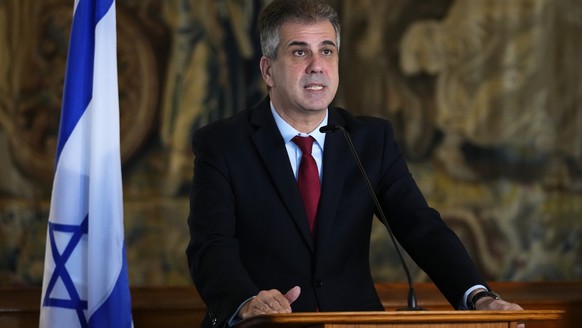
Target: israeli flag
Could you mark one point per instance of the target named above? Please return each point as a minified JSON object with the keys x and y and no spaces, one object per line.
{"x":85,"y":275}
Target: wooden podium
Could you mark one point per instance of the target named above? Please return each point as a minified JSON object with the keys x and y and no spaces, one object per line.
{"x":425,"y":319}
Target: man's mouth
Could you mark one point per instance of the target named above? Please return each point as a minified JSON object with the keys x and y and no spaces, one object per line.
{"x":315,"y":87}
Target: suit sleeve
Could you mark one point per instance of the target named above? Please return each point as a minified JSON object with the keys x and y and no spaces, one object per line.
{"x":420,"y":229}
{"x":213,"y":251}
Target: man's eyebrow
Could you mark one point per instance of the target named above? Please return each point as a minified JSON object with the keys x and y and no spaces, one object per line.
{"x":303,"y":43}
{"x":297,"y":43}
{"x":329,"y":43}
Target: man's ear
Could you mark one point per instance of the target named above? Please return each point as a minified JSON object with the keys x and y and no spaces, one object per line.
{"x":266,"y":71}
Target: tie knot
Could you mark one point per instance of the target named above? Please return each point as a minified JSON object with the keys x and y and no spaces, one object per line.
{"x":304,"y":143}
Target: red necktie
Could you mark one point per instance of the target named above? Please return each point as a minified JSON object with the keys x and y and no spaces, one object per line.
{"x":308,"y":179}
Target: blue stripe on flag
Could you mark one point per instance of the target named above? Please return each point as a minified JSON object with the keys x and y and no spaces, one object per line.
{"x":78,"y":89}
{"x":116,"y":311}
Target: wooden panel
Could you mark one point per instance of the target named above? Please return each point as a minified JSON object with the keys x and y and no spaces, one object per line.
{"x":182,"y":307}
{"x":440,"y":319}
{"x":417,"y":325}
{"x":167,"y":307}
{"x":565,"y":296}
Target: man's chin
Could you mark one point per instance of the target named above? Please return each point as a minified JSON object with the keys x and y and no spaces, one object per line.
{"x":316,"y":106}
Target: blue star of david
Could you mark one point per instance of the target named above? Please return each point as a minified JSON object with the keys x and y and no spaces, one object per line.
{"x":74,"y":302}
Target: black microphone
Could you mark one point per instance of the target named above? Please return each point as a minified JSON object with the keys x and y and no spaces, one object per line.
{"x":412,"y":306}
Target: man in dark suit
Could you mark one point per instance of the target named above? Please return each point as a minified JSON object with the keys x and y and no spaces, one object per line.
{"x":258,"y":243}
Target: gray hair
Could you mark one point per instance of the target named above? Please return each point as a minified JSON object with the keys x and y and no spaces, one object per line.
{"x":300,"y":11}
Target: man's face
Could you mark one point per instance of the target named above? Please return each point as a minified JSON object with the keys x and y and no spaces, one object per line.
{"x":304,"y":77}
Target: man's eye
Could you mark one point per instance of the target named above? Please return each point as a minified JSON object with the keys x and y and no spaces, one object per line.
{"x":327,"y":52}
{"x":300,"y":52}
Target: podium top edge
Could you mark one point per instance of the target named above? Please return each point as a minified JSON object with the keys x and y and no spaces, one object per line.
{"x":314,"y":318}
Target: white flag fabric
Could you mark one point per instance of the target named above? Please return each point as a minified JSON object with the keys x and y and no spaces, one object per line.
{"x":85,"y":280}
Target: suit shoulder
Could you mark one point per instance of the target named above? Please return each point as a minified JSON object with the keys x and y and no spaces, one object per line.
{"x":224,"y":126}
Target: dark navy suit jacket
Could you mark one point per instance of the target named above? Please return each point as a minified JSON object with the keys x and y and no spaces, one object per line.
{"x":249,"y":230}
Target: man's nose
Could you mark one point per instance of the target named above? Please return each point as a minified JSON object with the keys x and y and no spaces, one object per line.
{"x":316,"y":64}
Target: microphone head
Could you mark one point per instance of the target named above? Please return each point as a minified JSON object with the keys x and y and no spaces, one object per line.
{"x":329,"y":128}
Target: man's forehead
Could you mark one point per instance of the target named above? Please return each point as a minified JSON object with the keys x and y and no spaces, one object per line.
{"x":319,"y":33}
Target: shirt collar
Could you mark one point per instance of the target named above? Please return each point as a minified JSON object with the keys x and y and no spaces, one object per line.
{"x":288,"y":132}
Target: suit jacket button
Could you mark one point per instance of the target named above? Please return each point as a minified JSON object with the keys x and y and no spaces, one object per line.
{"x":318,"y":283}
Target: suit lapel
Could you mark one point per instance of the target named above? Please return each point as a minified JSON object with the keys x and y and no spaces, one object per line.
{"x":271,"y":149}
